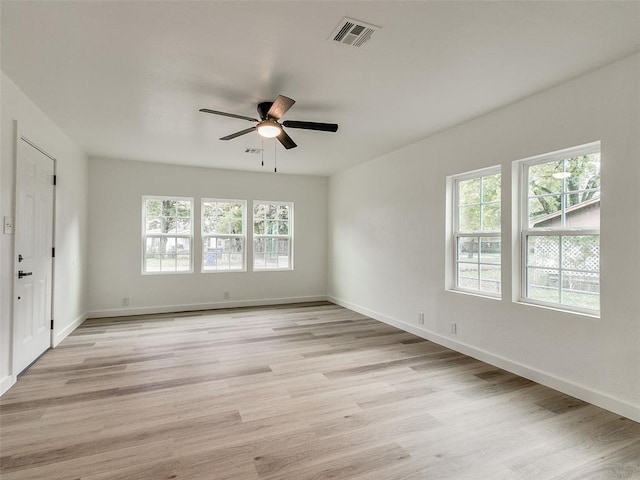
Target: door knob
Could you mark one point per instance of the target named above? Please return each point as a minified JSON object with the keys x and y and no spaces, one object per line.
{"x":24,"y":274}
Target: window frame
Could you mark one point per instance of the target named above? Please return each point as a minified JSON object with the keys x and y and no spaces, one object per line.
{"x":146,"y":235}
{"x":204,"y":236}
{"x":456,"y":234}
{"x":525,"y":231}
{"x":289,"y":236}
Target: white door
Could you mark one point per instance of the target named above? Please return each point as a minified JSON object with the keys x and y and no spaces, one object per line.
{"x":33,"y":255}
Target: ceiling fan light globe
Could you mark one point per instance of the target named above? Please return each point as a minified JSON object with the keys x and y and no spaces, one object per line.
{"x":269,"y":129}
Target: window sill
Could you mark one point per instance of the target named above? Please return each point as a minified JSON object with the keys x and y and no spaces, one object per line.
{"x":244,"y":270}
{"x":473,"y":293}
{"x":166,"y":273}
{"x":258,"y":270}
{"x":558,"y":308}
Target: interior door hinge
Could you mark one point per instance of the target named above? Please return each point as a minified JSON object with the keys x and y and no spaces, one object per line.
{"x":55,"y":179}
{"x":53,"y":252}
{"x":52,"y":324}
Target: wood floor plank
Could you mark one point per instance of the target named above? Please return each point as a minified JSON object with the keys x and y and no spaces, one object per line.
{"x":293,"y":392}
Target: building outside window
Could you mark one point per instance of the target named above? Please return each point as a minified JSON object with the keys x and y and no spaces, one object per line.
{"x":272,"y":235}
{"x":167,"y":235}
{"x":560,"y":229}
{"x":477,"y":239}
{"x":223,"y":235}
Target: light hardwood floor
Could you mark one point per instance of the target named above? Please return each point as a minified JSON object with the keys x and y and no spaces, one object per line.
{"x":309,"y":391}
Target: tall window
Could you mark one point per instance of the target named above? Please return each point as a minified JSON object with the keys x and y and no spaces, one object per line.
{"x":272,"y":235}
{"x":167,"y":234}
{"x":476,"y":232}
{"x":561,"y":229}
{"x":223,"y":235}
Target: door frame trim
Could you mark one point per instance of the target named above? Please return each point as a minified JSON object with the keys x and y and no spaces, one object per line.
{"x":52,"y":335}
{"x":19,"y":136}
{"x":26,"y":139}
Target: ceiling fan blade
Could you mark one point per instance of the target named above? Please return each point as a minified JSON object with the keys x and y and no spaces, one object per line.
{"x":323,"y":127}
{"x":280,"y":107}
{"x":286,"y":141}
{"x":225,"y":114}
{"x":237,"y":134}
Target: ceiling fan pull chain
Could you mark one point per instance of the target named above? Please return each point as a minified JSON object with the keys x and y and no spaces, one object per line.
{"x":275,"y":158}
{"x":262,"y":153}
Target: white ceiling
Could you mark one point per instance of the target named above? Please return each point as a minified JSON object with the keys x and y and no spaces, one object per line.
{"x":126,"y":79}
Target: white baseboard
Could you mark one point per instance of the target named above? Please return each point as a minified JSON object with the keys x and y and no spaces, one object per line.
{"x":64,"y":333}
{"x":587,"y":394}
{"x":6,"y":383}
{"x":126,"y":311}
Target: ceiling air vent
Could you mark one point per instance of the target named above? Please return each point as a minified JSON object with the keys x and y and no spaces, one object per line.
{"x":353,"y":32}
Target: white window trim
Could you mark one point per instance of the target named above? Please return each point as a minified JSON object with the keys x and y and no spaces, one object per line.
{"x":524,"y":231}
{"x":290,"y":236}
{"x":204,"y":236}
{"x":455,"y":234}
{"x":168,"y":235}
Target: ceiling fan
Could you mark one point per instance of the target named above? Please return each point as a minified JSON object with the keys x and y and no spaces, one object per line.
{"x":269,"y":126}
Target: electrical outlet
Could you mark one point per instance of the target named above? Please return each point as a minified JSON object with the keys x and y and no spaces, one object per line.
{"x":421,"y":318}
{"x":125,"y":301}
{"x":454,"y":328}
{"x":227,"y":295}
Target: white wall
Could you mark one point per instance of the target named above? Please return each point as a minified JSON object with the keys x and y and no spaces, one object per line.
{"x":387,"y":240}
{"x":70,"y":281}
{"x":117,"y":187}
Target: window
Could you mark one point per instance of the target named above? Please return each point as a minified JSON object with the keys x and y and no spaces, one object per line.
{"x":272,"y":236}
{"x":223,"y":235}
{"x":476,"y":232}
{"x":560,"y":205}
{"x":167,"y":234}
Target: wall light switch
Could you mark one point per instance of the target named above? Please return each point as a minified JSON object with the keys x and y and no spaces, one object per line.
{"x":7,"y":225}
